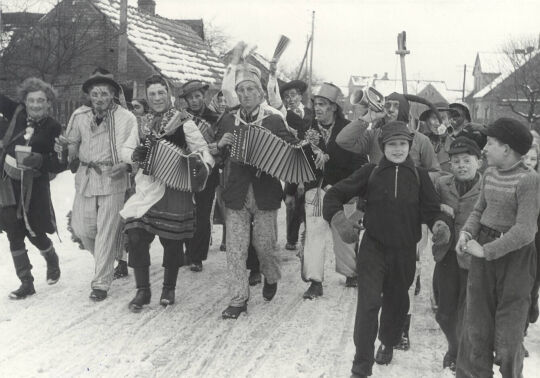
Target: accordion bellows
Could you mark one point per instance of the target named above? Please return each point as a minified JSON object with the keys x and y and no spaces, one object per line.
{"x":259,"y":147}
{"x":168,"y":163}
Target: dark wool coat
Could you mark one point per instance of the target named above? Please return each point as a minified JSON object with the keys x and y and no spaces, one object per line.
{"x":397,"y":201}
{"x":237,"y":177}
{"x":41,"y":213}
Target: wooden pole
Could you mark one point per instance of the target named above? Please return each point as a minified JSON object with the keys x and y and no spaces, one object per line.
{"x":402,"y":51}
{"x":310,"y":84}
{"x":303,"y":59}
{"x":122,"y":42}
{"x":464,"y":76}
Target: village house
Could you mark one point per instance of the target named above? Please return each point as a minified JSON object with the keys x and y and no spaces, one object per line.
{"x":76,"y":36}
{"x":506,"y":84}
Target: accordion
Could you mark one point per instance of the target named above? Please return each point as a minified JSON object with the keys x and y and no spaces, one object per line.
{"x":259,"y":147}
{"x":169,"y":164}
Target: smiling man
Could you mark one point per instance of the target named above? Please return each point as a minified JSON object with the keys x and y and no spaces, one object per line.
{"x":95,"y":136}
{"x":250,"y":195}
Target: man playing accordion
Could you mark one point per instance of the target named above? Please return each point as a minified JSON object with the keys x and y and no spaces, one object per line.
{"x":250,"y":195}
{"x":157,"y":207}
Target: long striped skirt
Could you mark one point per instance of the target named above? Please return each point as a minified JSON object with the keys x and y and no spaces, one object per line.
{"x":172,"y":217}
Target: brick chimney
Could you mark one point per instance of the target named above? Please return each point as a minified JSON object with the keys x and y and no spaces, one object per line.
{"x":147,"y":6}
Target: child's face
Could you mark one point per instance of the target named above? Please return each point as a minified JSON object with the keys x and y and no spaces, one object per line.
{"x":396,"y":150}
{"x":531,"y":159}
{"x":495,"y":151}
{"x":464,"y":166}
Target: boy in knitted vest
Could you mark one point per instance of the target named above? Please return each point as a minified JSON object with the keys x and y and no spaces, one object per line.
{"x":399,"y":199}
{"x":499,"y":235}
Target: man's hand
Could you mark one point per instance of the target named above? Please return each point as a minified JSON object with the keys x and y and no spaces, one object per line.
{"x":118,"y":169}
{"x":34,"y":161}
{"x":321,"y":159}
{"x":441,"y":233}
{"x":226,"y":140}
{"x":448,"y":210}
{"x":347,"y":230}
{"x":61,"y":144}
{"x":139,"y":154}
{"x":461,"y":245}
{"x":273,"y":67}
{"x":475,"y":249}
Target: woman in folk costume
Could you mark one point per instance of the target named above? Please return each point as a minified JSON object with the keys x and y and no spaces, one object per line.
{"x":250,"y":195}
{"x":338,"y":164}
{"x":157,"y":209}
{"x":25,"y":199}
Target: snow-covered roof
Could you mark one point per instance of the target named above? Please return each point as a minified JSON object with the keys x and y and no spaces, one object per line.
{"x":493,"y":62}
{"x":508,"y":70}
{"x":174,"y":49}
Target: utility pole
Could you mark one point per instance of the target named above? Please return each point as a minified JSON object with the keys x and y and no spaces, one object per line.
{"x":402,"y":51}
{"x":464,"y":76}
{"x":310,"y":84}
{"x":122,"y":42}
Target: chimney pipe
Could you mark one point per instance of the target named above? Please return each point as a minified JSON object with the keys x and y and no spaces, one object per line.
{"x":147,"y":6}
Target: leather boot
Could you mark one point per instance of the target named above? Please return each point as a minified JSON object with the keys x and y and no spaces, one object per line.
{"x":142,"y":280}
{"x":169,"y":284}
{"x":23,"y":268}
{"x":53,"y":267}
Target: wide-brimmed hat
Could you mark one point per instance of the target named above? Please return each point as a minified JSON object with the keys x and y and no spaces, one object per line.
{"x":330,"y":92}
{"x":428,"y":112}
{"x":192,"y":86}
{"x":463,"y":106}
{"x":299,"y":85}
{"x":100,"y":76}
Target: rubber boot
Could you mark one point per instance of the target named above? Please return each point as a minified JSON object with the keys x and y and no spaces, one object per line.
{"x":23,"y":268}
{"x":142,"y":280}
{"x":53,"y":267}
{"x":169,"y":284}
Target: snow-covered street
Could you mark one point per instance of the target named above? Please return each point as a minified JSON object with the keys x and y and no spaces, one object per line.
{"x":59,"y":332}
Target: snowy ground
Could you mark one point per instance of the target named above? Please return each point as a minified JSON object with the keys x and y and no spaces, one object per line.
{"x":59,"y":332}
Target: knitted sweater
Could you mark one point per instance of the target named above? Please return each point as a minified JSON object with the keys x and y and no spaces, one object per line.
{"x":508,"y":203}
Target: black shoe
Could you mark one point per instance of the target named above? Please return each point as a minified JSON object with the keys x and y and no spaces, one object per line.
{"x":97,"y":295}
{"x":53,"y":267}
{"x":418,"y":287}
{"x":222,"y":247}
{"x":384,"y":355}
{"x":233,"y":312}
{"x":26,"y":289}
{"x":167,"y":296}
{"x":196,"y":267}
{"x":141,"y":298}
{"x":269,"y":290}
{"x":290,"y":246}
{"x":121,"y":270}
{"x":354,"y":375}
{"x":351,"y":282}
{"x":449,"y":361}
{"x":314,"y":290}
{"x":254,"y":278}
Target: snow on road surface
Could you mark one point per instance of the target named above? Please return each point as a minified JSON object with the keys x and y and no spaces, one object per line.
{"x":59,"y":332}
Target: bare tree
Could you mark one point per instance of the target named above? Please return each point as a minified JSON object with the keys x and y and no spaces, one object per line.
{"x":58,"y":44}
{"x":522,"y":94}
{"x":217,"y":39}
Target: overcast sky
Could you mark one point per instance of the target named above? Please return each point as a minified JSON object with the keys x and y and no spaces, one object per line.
{"x":358,"y":37}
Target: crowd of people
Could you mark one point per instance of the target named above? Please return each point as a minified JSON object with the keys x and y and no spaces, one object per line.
{"x":382,"y":189}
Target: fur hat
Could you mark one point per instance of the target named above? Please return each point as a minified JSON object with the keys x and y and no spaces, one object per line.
{"x":511,"y":132}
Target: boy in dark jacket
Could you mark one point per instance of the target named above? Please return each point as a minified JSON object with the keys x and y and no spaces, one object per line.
{"x":499,"y":234}
{"x":459,"y":193}
{"x":399,"y":198}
